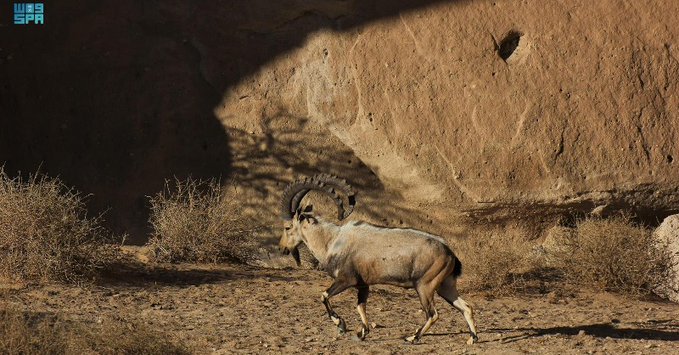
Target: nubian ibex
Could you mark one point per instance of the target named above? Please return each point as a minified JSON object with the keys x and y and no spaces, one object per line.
{"x":358,"y":254}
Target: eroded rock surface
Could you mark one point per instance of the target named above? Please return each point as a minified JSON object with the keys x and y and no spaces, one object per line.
{"x":583,"y":108}
{"x":432,"y":108}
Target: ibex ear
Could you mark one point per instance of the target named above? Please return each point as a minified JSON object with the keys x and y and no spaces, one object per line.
{"x":308,"y":209}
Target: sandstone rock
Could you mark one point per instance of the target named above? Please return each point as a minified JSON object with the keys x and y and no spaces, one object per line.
{"x":600,"y":211}
{"x":432,"y":108}
{"x":556,"y":241}
{"x":667,"y":236}
{"x":425,"y":99}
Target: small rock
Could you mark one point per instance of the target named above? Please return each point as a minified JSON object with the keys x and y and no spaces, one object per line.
{"x":600,"y":211}
{"x":555,"y":241}
{"x":581,"y":333}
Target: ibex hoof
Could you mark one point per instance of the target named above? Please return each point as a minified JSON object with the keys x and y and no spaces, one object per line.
{"x":413,"y":339}
{"x":341,"y":326}
{"x":472,"y":339}
{"x":362,"y":333}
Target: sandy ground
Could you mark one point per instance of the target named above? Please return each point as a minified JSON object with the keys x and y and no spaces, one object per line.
{"x":239,"y":309}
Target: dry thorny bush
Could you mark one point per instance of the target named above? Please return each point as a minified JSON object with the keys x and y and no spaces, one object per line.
{"x":502,"y":261}
{"x":45,"y":234}
{"x":615,"y":254}
{"x":33,"y":333}
{"x":611,"y":254}
{"x":196,"y":221}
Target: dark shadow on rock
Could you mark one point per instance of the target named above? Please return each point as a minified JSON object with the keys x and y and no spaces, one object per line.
{"x":291,"y":147}
{"x":263,"y":163}
{"x":114,"y":97}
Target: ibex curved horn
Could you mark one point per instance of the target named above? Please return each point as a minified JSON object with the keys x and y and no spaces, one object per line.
{"x":295,"y":192}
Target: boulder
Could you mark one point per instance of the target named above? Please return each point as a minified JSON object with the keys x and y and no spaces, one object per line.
{"x":667,"y":236}
{"x":556,"y":242}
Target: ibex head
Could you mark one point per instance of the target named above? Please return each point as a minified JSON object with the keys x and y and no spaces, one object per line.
{"x":293,"y":230}
{"x":296,"y":220}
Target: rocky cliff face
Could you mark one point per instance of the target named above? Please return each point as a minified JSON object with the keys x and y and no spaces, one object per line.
{"x":431,"y":108}
{"x":486,"y":104}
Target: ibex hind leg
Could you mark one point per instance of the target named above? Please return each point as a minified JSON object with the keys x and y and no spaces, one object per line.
{"x":448,"y":290}
{"x":363,"y":292}
{"x":426,"y":293}
{"x":336,"y":288}
{"x":426,"y":287}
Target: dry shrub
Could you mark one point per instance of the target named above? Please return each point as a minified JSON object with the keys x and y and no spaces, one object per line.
{"x":22,"y":335}
{"x":502,"y":261}
{"x":117,"y":337}
{"x":25,"y":333}
{"x":614,"y":254}
{"x":45,"y":234}
{"x":195,"y":221}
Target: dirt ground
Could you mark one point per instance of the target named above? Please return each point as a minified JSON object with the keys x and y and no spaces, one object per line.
{"x":238,"y":309}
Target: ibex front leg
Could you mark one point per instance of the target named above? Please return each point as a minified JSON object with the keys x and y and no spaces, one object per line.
{"x":336,"y":288}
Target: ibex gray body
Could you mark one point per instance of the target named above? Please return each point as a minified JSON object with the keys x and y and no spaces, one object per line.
{"x":358,"y":254}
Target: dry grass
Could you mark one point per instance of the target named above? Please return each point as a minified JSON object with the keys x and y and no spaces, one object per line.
{"x":499,"y":261}
{"x":25,"y":333}
{"x":22,"y":335}
{"x":45,"y":234}
{"x":614,"y":254}
{"x":116,"y":337}
{"x":611,"y":254}
{"x":195,"y":221}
